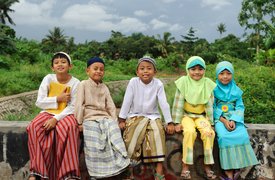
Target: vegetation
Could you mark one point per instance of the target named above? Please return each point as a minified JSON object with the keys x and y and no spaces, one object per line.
{"x":23,"y":63}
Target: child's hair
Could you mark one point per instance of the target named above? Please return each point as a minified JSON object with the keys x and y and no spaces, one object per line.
{"x":61,"y":55}
{"x":148,"y":59}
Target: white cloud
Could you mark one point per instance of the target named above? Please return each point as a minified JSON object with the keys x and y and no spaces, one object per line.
{"x":141,"y":13}
{"x":131,"y":24}
{"x":95,"y":17}
{"x":33,"y":14}
{"x":157,"y":24}
{"x":175,"y":27}
{"x":215,"y":4}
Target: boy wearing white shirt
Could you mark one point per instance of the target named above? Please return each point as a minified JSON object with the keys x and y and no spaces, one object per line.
{"x":144,"y":134}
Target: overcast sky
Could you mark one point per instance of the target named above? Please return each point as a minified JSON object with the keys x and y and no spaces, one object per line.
{"x":94,"y":19}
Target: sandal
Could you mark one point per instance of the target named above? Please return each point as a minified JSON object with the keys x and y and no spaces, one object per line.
{"x":159,"y":176}
{"x":210,"y":175}
{"x":185,"y":175}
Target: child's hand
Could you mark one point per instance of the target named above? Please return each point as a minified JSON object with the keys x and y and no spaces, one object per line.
{"x":122,"y":125}
{"x":64,"y":97}
{"x":178,"y":128}
{"x":80,"y":128}
{"x":232,"y":125}
{"x":170,"y":128}
{"x":50,"y":124}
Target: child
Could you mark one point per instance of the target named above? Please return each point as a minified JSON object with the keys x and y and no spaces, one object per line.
{"x":144,"y":133}
{"x":53,"y":135}
{"x":193,"y":109}
{"x":233,"y":139}
{"x":104,"y":149}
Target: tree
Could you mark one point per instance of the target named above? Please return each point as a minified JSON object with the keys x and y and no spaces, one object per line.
{"x":165,"y":43}
{"x":189,"y":40}
{"x":221,"y":28}
{"x":7,"y":36}
{"x":253,"y":15}
{"x":54,"y":41}
{"x":5,"y":10}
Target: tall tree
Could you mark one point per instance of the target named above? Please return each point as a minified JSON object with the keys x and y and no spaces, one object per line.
{"x":165,"y":43}
{"x":5,"y":10}
{"x":189,"y":40}
{"x":55,"y":40}
{"x":254,"y":13}
{"x":221,"y":28}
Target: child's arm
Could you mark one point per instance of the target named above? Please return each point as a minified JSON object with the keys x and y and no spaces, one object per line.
{"x":43,"y":101}
{"x":79,"y":103}
{"x":165,"y":108}
{"x":127,"y":102}
{"x":209,"y":109}
{"x":238,"y":114}
{"x":177,"y":110}
{"x":110,"y":105}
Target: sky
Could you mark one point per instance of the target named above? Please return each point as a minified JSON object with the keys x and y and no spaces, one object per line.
{"x":88,"y":20}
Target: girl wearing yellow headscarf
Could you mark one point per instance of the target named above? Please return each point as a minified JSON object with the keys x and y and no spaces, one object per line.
{"x":193,"y":109}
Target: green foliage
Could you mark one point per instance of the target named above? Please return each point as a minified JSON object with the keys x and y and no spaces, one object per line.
{"x":27,"y":51}
{"x":7,"y":35}
{"x":266,"y":57}
{"x":232,"y":46}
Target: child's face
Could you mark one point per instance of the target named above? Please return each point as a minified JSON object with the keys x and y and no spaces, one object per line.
{"x":225,"y":77}
{"x":96,"y":71}
{"x":146,"y":72}
{"x":61,"y":65}
{"x":196,"y":72}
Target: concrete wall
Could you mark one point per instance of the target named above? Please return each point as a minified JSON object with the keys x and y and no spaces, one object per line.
{"x":14,"y":159}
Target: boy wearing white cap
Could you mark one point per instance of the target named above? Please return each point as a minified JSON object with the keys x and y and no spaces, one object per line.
{"x":53,"y":135}
{"x":140,"y":118}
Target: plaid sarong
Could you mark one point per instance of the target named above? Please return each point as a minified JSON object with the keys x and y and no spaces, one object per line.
{"x":145,"y":139}
{"x":105,"y":152}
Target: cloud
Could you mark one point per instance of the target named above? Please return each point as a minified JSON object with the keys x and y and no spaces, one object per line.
{"x":168,"y":1}
{"x":95,"y":17}
{"x":175,"y":27}
{"x":33,"y":14}
{"x":141,"y":13}
{"x":215,"y":4}
{"x":157,"y":24}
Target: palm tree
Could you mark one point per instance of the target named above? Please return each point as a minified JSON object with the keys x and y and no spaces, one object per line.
{"x":221,"y":28}
{"x":165,"y":43}
{"x":55,"y":40}
{"x":5,"y":10}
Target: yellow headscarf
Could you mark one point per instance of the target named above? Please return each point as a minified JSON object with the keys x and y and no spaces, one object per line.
{"x":195,"y":92}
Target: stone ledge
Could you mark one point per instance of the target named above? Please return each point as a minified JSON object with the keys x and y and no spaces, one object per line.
{"x":14,"y":159}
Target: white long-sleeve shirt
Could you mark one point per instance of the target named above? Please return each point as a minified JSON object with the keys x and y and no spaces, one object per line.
{"x":44,"y":102}
{"x":143,"y":99}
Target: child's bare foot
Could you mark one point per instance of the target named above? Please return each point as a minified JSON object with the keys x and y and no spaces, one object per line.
{"x":32,"y":177}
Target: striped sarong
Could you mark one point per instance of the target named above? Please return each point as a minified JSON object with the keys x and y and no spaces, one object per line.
{"x":54,"y":154}
{"x":105,"y":152}
{"x":145,"y":139}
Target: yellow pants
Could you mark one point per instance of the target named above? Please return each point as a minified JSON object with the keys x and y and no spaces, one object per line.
{"x":189,"y":136}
